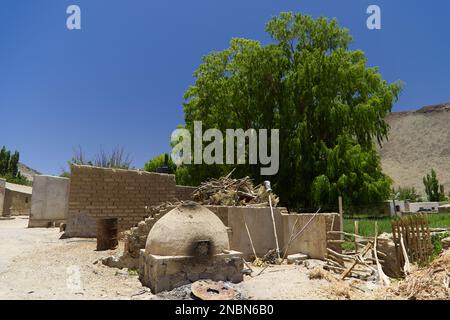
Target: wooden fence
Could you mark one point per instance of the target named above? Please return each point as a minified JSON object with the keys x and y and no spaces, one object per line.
{"x":411,"y":235}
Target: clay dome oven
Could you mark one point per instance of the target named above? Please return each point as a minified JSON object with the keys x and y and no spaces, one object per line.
{"x":188,"y":230}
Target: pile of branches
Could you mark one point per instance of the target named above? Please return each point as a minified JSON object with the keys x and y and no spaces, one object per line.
{"x":363,"y":264}
{"x":233,"y":192}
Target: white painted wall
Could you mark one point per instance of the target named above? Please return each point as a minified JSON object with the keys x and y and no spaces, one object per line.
{"x":50,"y":199}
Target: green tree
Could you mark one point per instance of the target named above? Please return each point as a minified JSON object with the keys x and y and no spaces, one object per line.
{"x":432,"y":187}
{"x":327,"y":103}
{"x":9,"y":167}
{"x":406,"y":193}
{"x":13,"y":166}
{"x":159,"y":161}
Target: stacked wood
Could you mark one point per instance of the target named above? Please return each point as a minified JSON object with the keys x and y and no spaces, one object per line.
{"x":233,"y":192}
{"x":362,"y":263}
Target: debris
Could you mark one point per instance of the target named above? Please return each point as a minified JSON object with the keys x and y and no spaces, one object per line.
{"x":429,"y":282}
{"x":211,"y":290}
{"x":297,"y":258}
{"x":271,"y":257}
{"x":233,"y":192}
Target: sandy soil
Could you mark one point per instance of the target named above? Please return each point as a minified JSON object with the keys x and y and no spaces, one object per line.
{"x":36,"y":264}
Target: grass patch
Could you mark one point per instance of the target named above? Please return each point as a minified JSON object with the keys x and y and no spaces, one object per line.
{"x":366,"y":226}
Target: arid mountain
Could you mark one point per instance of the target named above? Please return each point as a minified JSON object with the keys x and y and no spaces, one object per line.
{"x":28,"y":172}
{"x":418,"y":141}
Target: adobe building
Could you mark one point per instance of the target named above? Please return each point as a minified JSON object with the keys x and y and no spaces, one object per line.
{"x":16,"y":199}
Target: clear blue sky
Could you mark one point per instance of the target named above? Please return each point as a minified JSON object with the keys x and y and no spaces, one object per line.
{"x":120,"y":80}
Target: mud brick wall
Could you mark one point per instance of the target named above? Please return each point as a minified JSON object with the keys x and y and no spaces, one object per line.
{"x":184,"y":192}
{"x":97,"y":193}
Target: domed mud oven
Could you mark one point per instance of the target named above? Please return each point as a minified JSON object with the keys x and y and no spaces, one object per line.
{"x":189,"y":243}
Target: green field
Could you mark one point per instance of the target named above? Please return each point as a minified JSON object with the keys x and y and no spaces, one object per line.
{"x":366,"y":226}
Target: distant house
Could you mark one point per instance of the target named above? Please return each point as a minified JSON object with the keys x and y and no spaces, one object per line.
{"x":17,"y":200}
{"x":422,"y":206}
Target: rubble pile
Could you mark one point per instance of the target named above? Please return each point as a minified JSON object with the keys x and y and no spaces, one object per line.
{"x":226,"y":191}
{"x":431,"y":282}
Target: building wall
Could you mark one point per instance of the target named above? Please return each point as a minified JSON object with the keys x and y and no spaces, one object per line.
{"x":184,"y":192}
{"x":415,"y":206}
{"x":2,"y":195}
{"x":16,"y":203}
{"x":113,"y":193}
{"x":49,"y":203}
{"x":311,"y":241}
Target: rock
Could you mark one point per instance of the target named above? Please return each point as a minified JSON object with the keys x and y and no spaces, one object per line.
{"x":446,"y":243}
{"x":313,"y":263}
{"x":297,"y":258}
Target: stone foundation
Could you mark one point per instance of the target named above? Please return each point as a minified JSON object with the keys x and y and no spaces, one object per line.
{"x":163,"y":273}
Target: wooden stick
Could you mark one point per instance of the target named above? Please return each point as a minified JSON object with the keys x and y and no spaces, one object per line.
{"x":349,"y":269}
{"x":250,"y":238}
{"x":382,"y":276}
{"x":356,"y":233}
{"x":406,"y":267}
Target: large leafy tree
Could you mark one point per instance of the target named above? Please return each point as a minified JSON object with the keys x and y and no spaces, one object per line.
{"x":327,"y":103}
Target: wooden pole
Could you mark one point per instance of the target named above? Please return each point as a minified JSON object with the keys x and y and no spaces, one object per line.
{"x":341,"y":216}
{"x":356,"y":233}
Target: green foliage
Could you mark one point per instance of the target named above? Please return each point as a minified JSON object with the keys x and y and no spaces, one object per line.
{"x":328,"y":104}
{"x":159,"y":161}
{"x":406,"y":193}
{"x":9,"y":167}
{"x":436,"y":241}
{"x":432,"y":187}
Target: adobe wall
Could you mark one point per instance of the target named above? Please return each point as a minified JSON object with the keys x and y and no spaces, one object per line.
{"x":312,"y":241}
{"x":2,"y":195}
{"x":49,"y":203}
{"x":16,"y":203}
{"x":184,"y":192}
{"x":113,"y":193}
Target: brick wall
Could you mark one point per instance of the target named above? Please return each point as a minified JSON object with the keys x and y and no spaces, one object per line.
{"x":184,"y":192}
{"x":113,"y":193}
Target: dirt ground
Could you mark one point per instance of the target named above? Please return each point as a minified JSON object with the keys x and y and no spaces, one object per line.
{"x":36,"y":264}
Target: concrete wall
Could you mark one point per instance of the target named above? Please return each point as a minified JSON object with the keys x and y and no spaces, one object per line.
{"x":2,"y":195}
{"x":16,"y":203}
{"x":184,"y":192}
{"x":113,"y":193}
{"x":49,"y":203}
{"x":415,"y":206}
{"x":312,"y":241}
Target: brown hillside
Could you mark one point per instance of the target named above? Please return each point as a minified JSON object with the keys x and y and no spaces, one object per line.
{"x":418,"y":141}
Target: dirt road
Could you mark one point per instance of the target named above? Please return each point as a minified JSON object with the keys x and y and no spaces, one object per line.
{"x":36,"y":264}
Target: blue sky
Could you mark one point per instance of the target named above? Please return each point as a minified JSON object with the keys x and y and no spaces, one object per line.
{"x":120,"y":80}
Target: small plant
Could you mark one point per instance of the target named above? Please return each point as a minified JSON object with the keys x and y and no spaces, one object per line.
{"x":133,"y":272}
{"x":436,"y":241}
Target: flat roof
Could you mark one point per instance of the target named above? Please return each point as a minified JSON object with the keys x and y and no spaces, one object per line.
{"x":19,"y":188}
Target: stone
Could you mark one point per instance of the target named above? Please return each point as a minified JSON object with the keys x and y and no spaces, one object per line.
{"x":445,"y":243}
{"x":297,"y":258}
{"x":313,"y":263}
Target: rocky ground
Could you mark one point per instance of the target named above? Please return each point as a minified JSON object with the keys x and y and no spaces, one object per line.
{"x":36,"y":264}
